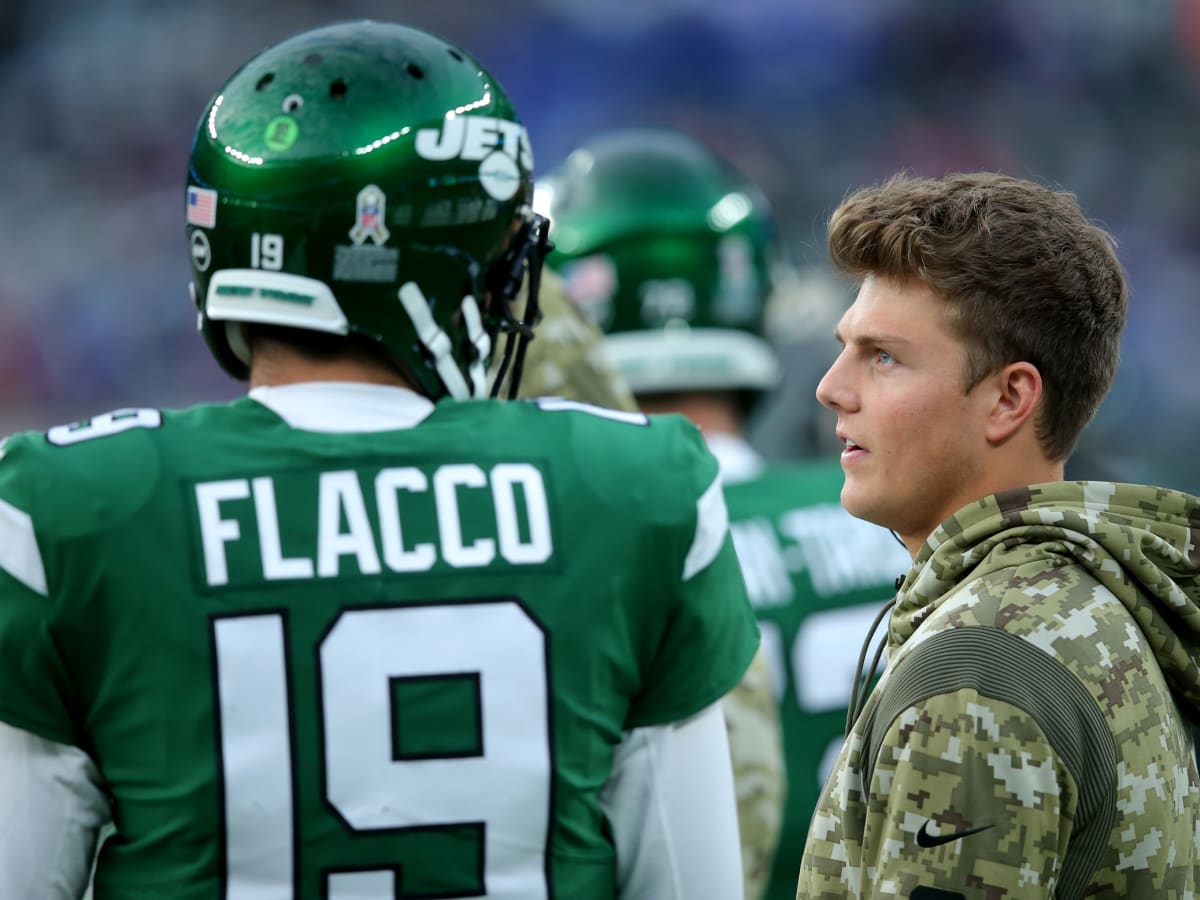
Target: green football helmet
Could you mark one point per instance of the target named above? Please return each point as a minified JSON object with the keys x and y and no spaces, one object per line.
{"x":370,"y":180}
{"x":669,"y":251}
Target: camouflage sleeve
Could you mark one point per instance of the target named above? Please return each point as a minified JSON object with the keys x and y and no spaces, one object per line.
{"x":756,"y":751}
{"x":565,"y":357}
{"x":967,"y":799}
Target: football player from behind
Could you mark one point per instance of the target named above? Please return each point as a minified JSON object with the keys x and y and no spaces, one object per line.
{"x":366,"y":632}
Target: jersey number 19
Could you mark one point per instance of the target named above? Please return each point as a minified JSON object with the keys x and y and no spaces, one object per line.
{"x":502,"y":786}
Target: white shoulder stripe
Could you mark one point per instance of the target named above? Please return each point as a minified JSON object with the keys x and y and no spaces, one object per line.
{"x":712,"y":524}
{"x":19,"y":554}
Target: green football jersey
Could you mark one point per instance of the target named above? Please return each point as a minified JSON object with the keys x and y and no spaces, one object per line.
{"x":817,"y":577}
{"x":388,"y":665}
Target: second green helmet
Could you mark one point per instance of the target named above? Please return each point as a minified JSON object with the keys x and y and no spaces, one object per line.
{"x":668,"y":249}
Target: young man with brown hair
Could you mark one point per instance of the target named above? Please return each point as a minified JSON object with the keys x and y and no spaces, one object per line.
{"x":1030,"y":735}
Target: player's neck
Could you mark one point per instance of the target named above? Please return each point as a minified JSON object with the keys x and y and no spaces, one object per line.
{"x":712,"y":413}
{"x":279,"y":366}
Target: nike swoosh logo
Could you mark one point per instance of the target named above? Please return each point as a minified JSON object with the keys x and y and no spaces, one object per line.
{"x":925,"y":839}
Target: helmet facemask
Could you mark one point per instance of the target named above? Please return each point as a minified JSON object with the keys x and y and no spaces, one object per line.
{"x":524,"y":260}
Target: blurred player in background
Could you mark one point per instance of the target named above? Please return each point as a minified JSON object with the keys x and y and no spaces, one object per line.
{"x":568,"y":359}
{"x":364,"y":633}
{"x":669,"y":250}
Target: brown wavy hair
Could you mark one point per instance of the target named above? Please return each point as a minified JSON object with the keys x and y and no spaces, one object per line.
{"x":1024,"y":274}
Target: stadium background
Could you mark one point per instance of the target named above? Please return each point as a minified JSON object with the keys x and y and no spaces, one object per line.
{"x":98,"y":102}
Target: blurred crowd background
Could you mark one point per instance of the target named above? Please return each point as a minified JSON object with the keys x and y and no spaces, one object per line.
{"x":811,"y":98}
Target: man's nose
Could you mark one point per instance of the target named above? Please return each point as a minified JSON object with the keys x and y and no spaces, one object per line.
{"x":833,"y":390}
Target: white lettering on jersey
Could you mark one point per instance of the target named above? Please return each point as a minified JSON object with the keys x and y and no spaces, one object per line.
{"x":103,"y":425}
{"x":388,"y":484}
{"x":506,"y":478}
{"x":514,"y":492}
{"x":446,"y":482}
{"x":216,"y":532}
{"x":341,"y":496}
{"x":275,"y":566}
{"x":824,"y":654}
{"x":768,"y":581}
{"x":840,"y":553}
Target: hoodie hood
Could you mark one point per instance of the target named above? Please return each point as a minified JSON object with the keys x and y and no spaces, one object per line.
{"x":1141,"y":543}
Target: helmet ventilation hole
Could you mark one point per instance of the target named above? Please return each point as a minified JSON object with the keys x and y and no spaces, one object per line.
{"x":415,"y":71}
{"x":264,"y":81}
{"x":456,"y":55}
{"x":337,"y":88}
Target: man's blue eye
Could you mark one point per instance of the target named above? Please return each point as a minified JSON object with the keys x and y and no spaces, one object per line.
{"x":884,"y":357}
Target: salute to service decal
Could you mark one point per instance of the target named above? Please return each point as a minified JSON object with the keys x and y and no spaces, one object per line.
{"x":371,"y":205}
{"x":367,"y":260}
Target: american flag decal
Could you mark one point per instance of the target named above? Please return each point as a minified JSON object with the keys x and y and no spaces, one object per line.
{"x":201,"y":207}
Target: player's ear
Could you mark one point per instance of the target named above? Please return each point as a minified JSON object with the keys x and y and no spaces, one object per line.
{"x":1015,"y":391}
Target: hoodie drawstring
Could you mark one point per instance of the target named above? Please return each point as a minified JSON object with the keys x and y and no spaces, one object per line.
{"x":858,"y":695}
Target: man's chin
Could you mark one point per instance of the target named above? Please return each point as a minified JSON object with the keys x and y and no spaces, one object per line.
{"x":865,"y":508}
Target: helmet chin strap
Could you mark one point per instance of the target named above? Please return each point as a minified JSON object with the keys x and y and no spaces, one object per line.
{"x":532,"y":245}
{"x":434,"y":339}
{"x":478,"y":337}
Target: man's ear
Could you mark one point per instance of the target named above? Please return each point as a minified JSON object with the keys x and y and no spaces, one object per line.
{"x":1017,"y":388}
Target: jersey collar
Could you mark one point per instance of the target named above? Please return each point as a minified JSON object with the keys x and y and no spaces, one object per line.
{"x":737,"y":460}
{"x":343,"y":407}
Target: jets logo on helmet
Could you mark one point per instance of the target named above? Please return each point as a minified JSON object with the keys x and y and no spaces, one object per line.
{"x":502,"y":147}
{"x":475,"y":137}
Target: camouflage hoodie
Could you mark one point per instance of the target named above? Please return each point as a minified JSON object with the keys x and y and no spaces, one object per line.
{"x":1026,"y":740}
